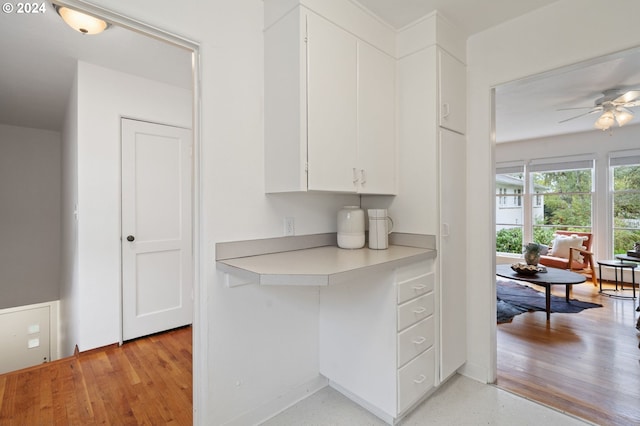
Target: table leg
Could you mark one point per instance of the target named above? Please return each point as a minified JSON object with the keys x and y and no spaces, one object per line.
{"x":547,"y":296}
{"x":633,"y":276}
{"x":600,"y":276}
{"x":566,"y":297}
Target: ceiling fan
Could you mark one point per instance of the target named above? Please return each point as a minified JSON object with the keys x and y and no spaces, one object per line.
{"x":614,"y":107}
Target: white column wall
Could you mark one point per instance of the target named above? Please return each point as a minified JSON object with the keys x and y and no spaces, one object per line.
{"x":560,"y":34}
{"x":69,"y":286}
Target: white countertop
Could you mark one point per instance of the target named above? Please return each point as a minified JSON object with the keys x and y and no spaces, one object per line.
{"x":319,"y":266}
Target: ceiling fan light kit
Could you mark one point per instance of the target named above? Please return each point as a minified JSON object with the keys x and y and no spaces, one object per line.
{"x":614,"y":106}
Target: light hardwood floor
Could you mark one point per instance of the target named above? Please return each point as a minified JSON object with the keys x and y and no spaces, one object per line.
{"x":585,"y":364}
{"x":145,"y":381}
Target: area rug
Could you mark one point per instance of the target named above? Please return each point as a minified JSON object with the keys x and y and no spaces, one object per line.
{"x":514,"y":299}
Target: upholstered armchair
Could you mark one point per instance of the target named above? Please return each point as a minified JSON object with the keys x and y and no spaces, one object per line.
{"x":571,"y":250}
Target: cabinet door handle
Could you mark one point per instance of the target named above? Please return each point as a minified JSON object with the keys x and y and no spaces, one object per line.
{"x":355,"y":176}
{"x":420,"y":310}
{"x":363,"y":177}
{"x":421,"y":378}
{"x":419,"y":287}
{"x":420,"y":340}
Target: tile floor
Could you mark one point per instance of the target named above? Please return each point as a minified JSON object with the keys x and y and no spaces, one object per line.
{"x":460,"y":401}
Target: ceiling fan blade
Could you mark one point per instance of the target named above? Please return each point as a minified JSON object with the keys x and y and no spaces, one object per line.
{"x":569,"y":109}
{"x":581,"y":115}
{"x":630,"y":96}
{"x":631,"y":104}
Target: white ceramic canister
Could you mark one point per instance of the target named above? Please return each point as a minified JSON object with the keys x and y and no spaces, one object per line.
{"x":380,"y":226}
{"x":351,"y":227}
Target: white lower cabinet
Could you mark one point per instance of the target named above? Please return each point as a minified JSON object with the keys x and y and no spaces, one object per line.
{"x":377,"y":336}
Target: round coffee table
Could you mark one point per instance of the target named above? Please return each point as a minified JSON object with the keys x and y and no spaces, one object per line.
{"x":553,"y":276}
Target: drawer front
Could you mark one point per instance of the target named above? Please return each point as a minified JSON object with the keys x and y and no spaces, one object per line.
{"x":415,"y":340}
{"x":415,"y":286}
{"x":412,"y":270}
{"x":416,"y":378}
{"x":415,"y":310}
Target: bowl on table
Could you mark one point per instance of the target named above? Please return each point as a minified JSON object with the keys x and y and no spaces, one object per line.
{"x":524,"y":269}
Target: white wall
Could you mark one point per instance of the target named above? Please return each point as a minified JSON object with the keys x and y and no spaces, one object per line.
{"x":560,"y":34}
{"x":30,"y":175}
{"x":69,"y":285}
{"x":104,"y":96}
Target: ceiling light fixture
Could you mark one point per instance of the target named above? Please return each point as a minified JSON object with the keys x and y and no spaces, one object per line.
{"x":613,"y":107}
{"x":613,"y":114}
{"x":81,"y":22}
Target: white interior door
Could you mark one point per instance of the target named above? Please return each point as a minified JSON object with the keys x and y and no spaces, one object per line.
{"x":157,"y":254}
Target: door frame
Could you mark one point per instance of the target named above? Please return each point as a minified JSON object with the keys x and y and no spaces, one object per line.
{"x":200,"y":317}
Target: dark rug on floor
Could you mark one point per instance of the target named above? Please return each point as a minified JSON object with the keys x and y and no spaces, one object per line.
{"x":514,"y":299}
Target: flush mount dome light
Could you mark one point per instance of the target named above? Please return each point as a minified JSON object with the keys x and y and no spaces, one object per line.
{"x":81,"y":22}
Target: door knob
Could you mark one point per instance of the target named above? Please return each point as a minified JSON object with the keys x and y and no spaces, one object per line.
{"x":131,"y":238}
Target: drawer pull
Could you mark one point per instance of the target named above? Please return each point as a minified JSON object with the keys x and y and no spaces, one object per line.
{"x":419,"y":287}
{"x":420,"y":340}
{"x":421,"y":378}
{"x":420,"y":310}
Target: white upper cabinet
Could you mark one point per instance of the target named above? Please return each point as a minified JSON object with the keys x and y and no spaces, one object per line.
{"x":376,"y":121}
{"x":332,"y":107}
{"x":329,"y":109}
{"x":453,"y":93}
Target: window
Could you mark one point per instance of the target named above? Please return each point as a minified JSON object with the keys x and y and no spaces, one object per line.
{"x":625,"y":196}
{"x":502,"y":198}
{"x":538,"y":197}
{"x":566,"y":190}
{"x":509,"y":218}
{"x":546,"y":197}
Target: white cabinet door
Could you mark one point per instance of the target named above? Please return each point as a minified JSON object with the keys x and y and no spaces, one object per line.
{"x":453,"y":299}
{"x":376,"y":121}
{"x":285,"y":105}
{"x":453,"y":92}
{"x":331,"y":107}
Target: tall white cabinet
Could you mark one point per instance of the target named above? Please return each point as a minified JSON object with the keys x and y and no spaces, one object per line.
{"x":329,"y":109}
{"x":432,"y":152}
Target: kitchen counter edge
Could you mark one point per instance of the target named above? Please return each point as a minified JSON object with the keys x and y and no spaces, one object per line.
{"x":314,"y":260}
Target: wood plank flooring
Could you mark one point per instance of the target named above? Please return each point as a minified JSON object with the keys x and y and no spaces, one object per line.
{"x":145,"y":381}
{"x":585,"y":364}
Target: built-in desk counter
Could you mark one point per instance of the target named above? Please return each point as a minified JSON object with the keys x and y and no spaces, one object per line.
{"x":320,"y":266}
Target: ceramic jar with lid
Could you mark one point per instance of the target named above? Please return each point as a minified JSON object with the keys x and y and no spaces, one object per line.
{"x":351,"y":227}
